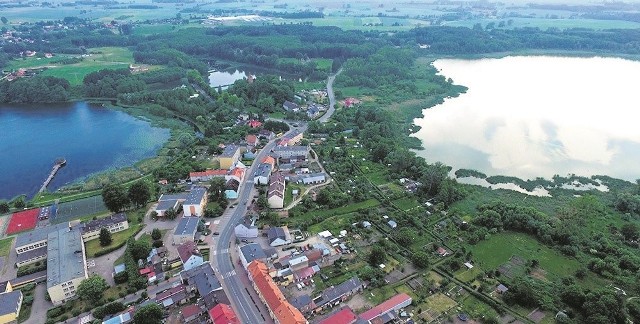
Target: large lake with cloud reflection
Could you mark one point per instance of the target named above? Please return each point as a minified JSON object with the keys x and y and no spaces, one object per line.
{"x":536,"y":116}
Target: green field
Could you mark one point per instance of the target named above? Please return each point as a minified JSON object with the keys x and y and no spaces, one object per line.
{"x":5,"y":246}
{"x":93,"y":246}
{"x":99,"y":58}
{"x":340,"y":211}
{"x":499,"y":248}
{"x":544,"y":23}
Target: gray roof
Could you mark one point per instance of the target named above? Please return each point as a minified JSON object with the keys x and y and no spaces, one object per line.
{"x":230,"y":151}
{"x":314,"y":178}
{"x":187,"y":226}
{"x":332,"y":293}
{"x":288,"y":105}
{"x":169,"y":197}
{"x":203,"y":278}
{"x":65,"y":256}
{"x":103,"y":222}
{"x":264,"y":170}
{"x":297,"y":149}
{"x":39,"y":234}
{"x":392,"y":224}
{"x":166,"y":204}
{"x":41,"y":251}
{"x":276,"y":232}
{"x":9,"y":302}
{"x":194,"y":197}
{"x":252,"y":251}
{"x":300,"y":301}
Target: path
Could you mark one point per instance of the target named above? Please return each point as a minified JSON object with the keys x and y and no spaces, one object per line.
{"x":332,"y":98}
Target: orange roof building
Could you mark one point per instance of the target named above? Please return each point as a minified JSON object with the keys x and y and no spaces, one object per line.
{"x":280,"y":309}
{"x":207,"y":175}
{"x":270,"y":160}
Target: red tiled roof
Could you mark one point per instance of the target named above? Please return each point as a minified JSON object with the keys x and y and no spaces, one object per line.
{"x":269,"y":159}
{"x":186,"y":250}
{"x":209,"y":173}
{"x":284,"y":312}
{"x":254,"y":123}
{"x":344,"y":316}
{"x":313,"y":255}
{"x":170,"y":292}
{"x":223,"y":314}
{"x":385,"y":307}
{"x":190,"y":310}
{"x":251,"y":139}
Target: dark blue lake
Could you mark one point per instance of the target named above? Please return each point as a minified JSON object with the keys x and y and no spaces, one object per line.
{"x":90,"y":137}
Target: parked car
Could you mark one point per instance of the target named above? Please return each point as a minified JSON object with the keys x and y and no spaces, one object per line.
{"x":216,"y":233}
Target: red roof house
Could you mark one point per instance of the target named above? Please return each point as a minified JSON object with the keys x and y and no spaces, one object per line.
{"x":392,"y":304}
{"x":223,"y":314}
{"x":190,"y":312}
{"x":343,"y":316}
{"x":254,"y":123}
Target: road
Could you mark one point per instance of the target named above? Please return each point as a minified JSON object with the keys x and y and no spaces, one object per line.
{"x":234,"y":276}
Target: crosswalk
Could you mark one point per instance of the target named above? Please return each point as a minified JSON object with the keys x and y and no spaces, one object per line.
{"x":229,"y":274}
{"x":223,"y":251}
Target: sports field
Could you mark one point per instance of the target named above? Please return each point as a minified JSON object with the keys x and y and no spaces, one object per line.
{"x":67,"y":211}
{"x":23,"y":221}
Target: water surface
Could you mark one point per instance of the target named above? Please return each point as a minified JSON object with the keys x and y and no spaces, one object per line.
{"x":90,"y":137}
{"x":538,"y":116}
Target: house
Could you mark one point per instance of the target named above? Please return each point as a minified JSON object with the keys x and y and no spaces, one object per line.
{"x":254,"y":123}
{"x":290,"y":106}
{"x":392,"y":224}
{"x":246,"y":231}
{"x":313,"y":111}
{"x":203,"y":281}
{"x":190,"y":313}
{"x":122,"y":318}
{"x":304,"y":273}
{"x":278,"y":236}
{"x":195,"y":202}
{"x":173,"y":296}
{"x":341,"y":292}
{"x":269,"y":160}
{"x":164,"y":205}
{"x":342,"y":316}
{"x":189,"y":255}
{"x":206,"y":176}
{"x":251,"y":140}
{"x":275,"y":193}
{"x":262,"y":174}
{"x":66,"y":264}
{"x":223,"y":314}
{"x":114,"y":223}
{"x":313,"y":255}
{"x":280,"y":310}
{"x":393,"y":304}
{"x":298,"y":262}
{"x":442,"y":252}
{"x":250,"y":252}
{"x":231,"y":189}
{"x":266,"y":134}
{"x":501,"y":289}
{"x":10,"y":304}
{"x":186,"y":230}
{"x":286,"y":152}
{"x":314,"y":179}
{"x":303,"y":303}
{"x":366,"y":224}
{"x":229,"y":156}
{"x":294,"y":137}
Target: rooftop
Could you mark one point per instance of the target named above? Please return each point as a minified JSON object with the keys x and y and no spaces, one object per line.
{"x":203,"y":278}
{"x":385,"y":307}
{"x":187,"y":226}
{"x":301,"y":301}
{"x":31,"y":254}
{"x":230,"y":151}
{"x":195,"y":196}
{"x":223,"y":314}
{"x":332,"y":293}
{"x":9,"y":302}
{"x":37,"y":235}
{"x":301,"y":150}
{"x":166,"y":204}
{"x":103,"y":222}
{"x":65,"y":256}
{"x":284,"y":312}
{"x":186,"y":250}
{"x":190,"y":310}
{"x":252,"y":251}
{"x":264,"y":170}
{"x":343,"y":316}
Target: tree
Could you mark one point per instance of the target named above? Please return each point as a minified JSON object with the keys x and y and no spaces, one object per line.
{"x":139,"y":193}
{"x":156,"y":234}
{"x":105,"y":237}
{"x":4,"y":207}
{"x":420,"y":259}
{"x":114,"y":197}
{"x":4,"y":20}
{"x":91,"y":289}
{"x":633,"y":308}
{"x":377,"y":256}
{"x":148,"y":314}
{"x":140,"y":250}
{"x":19,"y":203}
{"x":630,"y":231}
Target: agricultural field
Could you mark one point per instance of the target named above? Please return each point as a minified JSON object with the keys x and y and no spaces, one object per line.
{"x":544,"y":23}
{"x":97,"y":59}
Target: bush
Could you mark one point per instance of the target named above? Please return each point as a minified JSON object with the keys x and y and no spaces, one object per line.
{"x":55,"y":312}
{"x":121,"y":277}
{"x":75,"y":312}
{"x":109,"y":249}
{"x":158,"y":243}
{"x":23,"y":271}
{"x":28,"y":300}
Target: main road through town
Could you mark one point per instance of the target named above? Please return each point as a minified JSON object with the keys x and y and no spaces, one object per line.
{"x":242,"y":302}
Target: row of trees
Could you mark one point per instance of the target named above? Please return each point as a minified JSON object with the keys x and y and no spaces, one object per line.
{"x":117,"y":198}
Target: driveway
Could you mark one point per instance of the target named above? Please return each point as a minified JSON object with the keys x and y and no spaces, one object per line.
{"x":40,"y":305}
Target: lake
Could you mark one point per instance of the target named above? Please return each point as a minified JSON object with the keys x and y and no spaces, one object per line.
{"x":537,"y":116}
{"x":225,"y":78}
{"x":90,"y":137}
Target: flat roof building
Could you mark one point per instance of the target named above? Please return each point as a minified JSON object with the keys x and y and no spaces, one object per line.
{"x":186,"y":230}
{"x":66,"y":264}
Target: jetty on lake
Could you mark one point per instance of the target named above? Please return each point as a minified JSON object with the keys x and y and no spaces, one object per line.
{"x":59,"y":164}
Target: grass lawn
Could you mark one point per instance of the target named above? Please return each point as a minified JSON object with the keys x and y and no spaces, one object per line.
{"x":499,"y":248}
{"x":468,"y":275}
{"x":475,"y":308}
{"x":343,"y":210}
{"x":288,"y":195}
{"x":407,"y":290}
{"x":439,"y":303}
{"x":309,"y":86}
{"x":406,"y":203}
{"x":333,"y":224}
{"x":93,"y":246}
{"x":5,"y":246}
{"x":323,"y":64}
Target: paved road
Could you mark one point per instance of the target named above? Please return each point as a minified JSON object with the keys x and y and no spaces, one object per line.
{"x":332,"y":98}
{"x":234,"y":276}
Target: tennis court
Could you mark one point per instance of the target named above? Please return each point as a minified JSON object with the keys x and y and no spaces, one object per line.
{"x":23,"y":221}
{"x":64,"y":212}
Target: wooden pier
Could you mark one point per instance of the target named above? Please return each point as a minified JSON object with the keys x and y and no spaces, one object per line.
{"x":59,"y":164}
